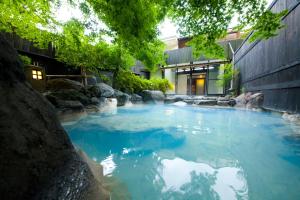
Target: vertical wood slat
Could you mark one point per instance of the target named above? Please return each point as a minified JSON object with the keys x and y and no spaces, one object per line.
{"x":273,"y":66}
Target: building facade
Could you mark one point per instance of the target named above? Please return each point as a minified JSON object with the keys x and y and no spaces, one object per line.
{"x":198,"y":76}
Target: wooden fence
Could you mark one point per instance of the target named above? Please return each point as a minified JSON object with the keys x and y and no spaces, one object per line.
{"x":273,"y":66}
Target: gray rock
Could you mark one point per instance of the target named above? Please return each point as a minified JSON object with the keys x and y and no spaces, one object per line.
{"x":135,"y":98}
{"x":206,"y":102}
{"x":106,"y":90}
{"x":92,"y":108}
{"x":152,"y":96}
{"x":68,"y":95}
{"x":122,"y":98}
{"x":74,"y":105}
{"x":232,"y":102}
{"x":101,"y":90}
{"x":176,"y":98}
{"x":242,"y":99}
{"x":95,"y":101}
{"x":189,"y":101}
{"x":38,"y":160}
{"x":255,"y":101}
{"x":226,"y":101}
{"x":250,"y":100}
{"x":209,"y":98}
{"x":62,"y":83}
{"x":223,"y":103}
{"x":226,"y":98}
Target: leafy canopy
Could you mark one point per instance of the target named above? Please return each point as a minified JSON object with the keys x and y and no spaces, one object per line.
{"x":132,"y":25}
{"x":209,"y":21}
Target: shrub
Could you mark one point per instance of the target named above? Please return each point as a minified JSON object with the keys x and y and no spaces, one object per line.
{"x":25,"y":60}
{"x":226,"y":77}
{"x":128,"y":82}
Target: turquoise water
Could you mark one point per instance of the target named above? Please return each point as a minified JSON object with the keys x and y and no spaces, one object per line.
{"x":171,"y":152}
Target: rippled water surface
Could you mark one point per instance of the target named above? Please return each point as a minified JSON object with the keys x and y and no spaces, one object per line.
{"x":171,"y":152}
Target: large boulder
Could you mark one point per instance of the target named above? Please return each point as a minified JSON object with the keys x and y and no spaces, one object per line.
{"x":122,"y":98}
{"x":62,"y":83}
{"x":152,"y":96}
{"x":255,"y":101}
{"x":95,"y":101}
{"x":226,"y":101}
{"x":176,"y":98}
{"x":249,"y":100}
{"x":68,"y":95}
{"x":38,"y":160}
{"x":101,"y":90}
{"x":242,"y":99}
{"x":73,"y":105}
{"x":135,"y":98}
{"x":206,"y":102}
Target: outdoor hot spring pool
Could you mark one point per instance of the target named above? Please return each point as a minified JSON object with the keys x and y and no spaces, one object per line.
{"x":171,"y":152}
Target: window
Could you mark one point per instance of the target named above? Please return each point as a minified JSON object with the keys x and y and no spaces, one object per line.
{"x":37,"y":74}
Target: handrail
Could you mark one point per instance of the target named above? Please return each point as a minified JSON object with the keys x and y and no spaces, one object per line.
{"x":81,"y":76}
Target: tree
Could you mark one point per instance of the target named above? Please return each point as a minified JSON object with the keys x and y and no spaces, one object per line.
{"x":133,"y":26}
{"x":209,"y":20}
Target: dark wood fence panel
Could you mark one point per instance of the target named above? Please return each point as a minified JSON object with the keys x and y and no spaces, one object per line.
{"x":273,"y":66}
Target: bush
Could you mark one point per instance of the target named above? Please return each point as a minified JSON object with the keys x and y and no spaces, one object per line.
{"x":128,"y":82}
{"x":226,"y":77}
{"x":25,"y":60}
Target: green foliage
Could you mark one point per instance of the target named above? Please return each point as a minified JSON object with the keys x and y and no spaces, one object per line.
{"x":212,"y":18}
{"x":204,"y":46}
{"x":267,"y":25}
{"x":128,"y":82}
{"x":133,"y":26}
{"x":80,"y":50}
{"x":201,"y":17}
{"x":152,"y":55}
{"x":228,"y":74}
{"x":23,"y":17}
{"x":25,"y":60}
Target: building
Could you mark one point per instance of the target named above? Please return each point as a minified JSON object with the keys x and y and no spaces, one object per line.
{"x":43,"y":65}
{"x":198,"y":76}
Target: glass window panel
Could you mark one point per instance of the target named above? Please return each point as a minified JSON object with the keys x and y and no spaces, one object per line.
{"x":40,"y":77}
{"x":39,"y":73}
{"x":34,"y":76}
{"x":33,"y":71}
{"x":214,"y":87}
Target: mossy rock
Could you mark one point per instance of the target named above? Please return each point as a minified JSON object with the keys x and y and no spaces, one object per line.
{"x":61,"y":84}
{"x":70,"y":95}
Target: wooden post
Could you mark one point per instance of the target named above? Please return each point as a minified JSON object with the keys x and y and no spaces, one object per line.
{"x":84,"y":79}
{"x":206,"y":80}
{"x":176,"y":80}
{"x":191,"y":76}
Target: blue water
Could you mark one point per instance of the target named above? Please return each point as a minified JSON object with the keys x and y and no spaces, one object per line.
{"x":171,"y":152}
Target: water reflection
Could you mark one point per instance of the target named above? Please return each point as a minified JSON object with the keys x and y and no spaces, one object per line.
{"x":108,"y":165}
{"x":190,"y":180}
{"x":170,"y":152}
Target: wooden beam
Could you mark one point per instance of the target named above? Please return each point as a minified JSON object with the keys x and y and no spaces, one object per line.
{"x":196,"y":64}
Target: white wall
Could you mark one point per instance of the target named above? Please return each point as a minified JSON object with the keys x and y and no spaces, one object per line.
{"x":170,"y":75}
{"x":182,"y":84}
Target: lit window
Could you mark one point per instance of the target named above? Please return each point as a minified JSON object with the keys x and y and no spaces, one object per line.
{"x":36,"y":74}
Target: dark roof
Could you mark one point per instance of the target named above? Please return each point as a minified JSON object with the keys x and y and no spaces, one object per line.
{"x":185,"y":55}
